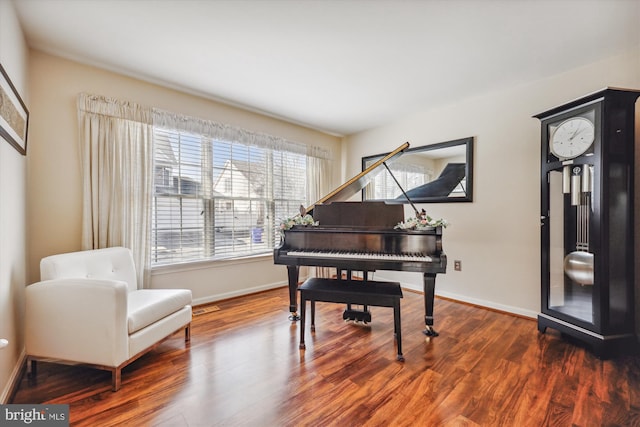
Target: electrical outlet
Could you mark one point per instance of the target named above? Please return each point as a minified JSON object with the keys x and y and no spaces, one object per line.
{"x":457,"y":265}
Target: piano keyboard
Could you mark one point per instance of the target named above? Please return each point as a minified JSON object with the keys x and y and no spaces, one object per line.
{"x":361,"y":256}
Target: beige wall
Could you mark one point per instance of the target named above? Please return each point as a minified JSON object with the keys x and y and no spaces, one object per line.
{"x":13,"y":166}
{"x":497,"y":237}
{"x":54,"y":174}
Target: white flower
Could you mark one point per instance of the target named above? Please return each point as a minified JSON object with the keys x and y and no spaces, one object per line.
{"x":421,"y":223}
{"x":288,"y":223}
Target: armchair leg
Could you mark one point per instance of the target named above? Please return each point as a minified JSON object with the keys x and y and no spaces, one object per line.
{"x":187,"y":333}
{"x":116,"y":379}
{"x":32,"y":369}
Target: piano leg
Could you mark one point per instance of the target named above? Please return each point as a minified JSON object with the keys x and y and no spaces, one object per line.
{"x":293,"y":271}
{"x":429,"y":295}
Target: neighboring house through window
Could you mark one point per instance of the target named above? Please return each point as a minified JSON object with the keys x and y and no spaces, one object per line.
{"x":217,"y":199}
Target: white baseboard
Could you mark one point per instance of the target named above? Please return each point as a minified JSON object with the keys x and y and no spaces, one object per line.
{"x":240,"y":292}
{"x":480,"y":302}
{"x":14,"y":379}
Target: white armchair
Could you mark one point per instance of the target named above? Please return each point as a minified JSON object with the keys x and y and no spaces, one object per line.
{"x":87,"y":309}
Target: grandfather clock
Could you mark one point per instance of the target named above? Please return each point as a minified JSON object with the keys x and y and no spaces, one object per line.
{"x":587,"y":174}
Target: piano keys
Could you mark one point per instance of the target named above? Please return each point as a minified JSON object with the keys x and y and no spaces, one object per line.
{"x":377,"y":256}
{"x":360,"y":236}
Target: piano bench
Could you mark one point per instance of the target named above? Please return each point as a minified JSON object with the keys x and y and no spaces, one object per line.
{"x":374,"y":293}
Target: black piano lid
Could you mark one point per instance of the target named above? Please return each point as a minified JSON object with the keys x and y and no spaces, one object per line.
{"x":358,"y":182}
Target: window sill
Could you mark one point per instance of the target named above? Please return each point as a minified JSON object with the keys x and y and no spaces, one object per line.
{"x":208,"y":264}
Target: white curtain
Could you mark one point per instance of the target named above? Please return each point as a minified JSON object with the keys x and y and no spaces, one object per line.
{"x":318,"y":185}
{"x":117,"y":171}
{"x":318,"y":173}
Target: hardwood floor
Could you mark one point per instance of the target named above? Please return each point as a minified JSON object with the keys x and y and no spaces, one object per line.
{"x":243,"y":368}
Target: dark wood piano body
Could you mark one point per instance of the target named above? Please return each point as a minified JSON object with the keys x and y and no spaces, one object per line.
{"x":349,"y":233}
{"x":362,"y":228}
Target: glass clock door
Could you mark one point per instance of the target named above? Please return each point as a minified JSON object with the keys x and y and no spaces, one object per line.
{"x":570,"y":290}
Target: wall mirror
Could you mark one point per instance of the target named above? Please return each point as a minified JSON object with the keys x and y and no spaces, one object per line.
{"x":433,"y":173}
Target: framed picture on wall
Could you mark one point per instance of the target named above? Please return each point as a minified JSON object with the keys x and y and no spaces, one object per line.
{"x":14,"y":116}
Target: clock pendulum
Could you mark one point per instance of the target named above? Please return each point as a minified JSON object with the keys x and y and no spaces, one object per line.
{"x":578,"y":264}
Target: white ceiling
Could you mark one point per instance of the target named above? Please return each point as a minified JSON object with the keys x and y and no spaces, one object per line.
{"x":338,"y":66}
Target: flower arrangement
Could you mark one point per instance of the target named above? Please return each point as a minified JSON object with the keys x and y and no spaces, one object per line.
{"x":421,"y":222}
{"x":287,"y":223}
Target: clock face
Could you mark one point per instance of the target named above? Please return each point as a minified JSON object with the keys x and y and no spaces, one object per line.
{"x":572,"y":138}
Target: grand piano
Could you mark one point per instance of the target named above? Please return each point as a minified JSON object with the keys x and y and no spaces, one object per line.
{"x":360,"y":237}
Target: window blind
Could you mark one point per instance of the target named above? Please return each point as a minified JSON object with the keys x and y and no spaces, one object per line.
{"x":221,"y":197}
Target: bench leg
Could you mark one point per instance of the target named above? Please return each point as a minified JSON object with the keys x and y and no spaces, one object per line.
{"x":303,"y":309}
{"x":313,"y":315}
{"x":398,"y":329}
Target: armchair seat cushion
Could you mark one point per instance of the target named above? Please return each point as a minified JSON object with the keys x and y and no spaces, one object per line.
{"x":147,"y":306}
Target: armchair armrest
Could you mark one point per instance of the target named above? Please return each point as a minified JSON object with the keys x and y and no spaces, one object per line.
{"x":79,"y":320}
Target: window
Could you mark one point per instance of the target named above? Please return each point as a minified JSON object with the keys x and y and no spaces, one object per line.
{"x":216,"y":199}
{"x":408,"y":175}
